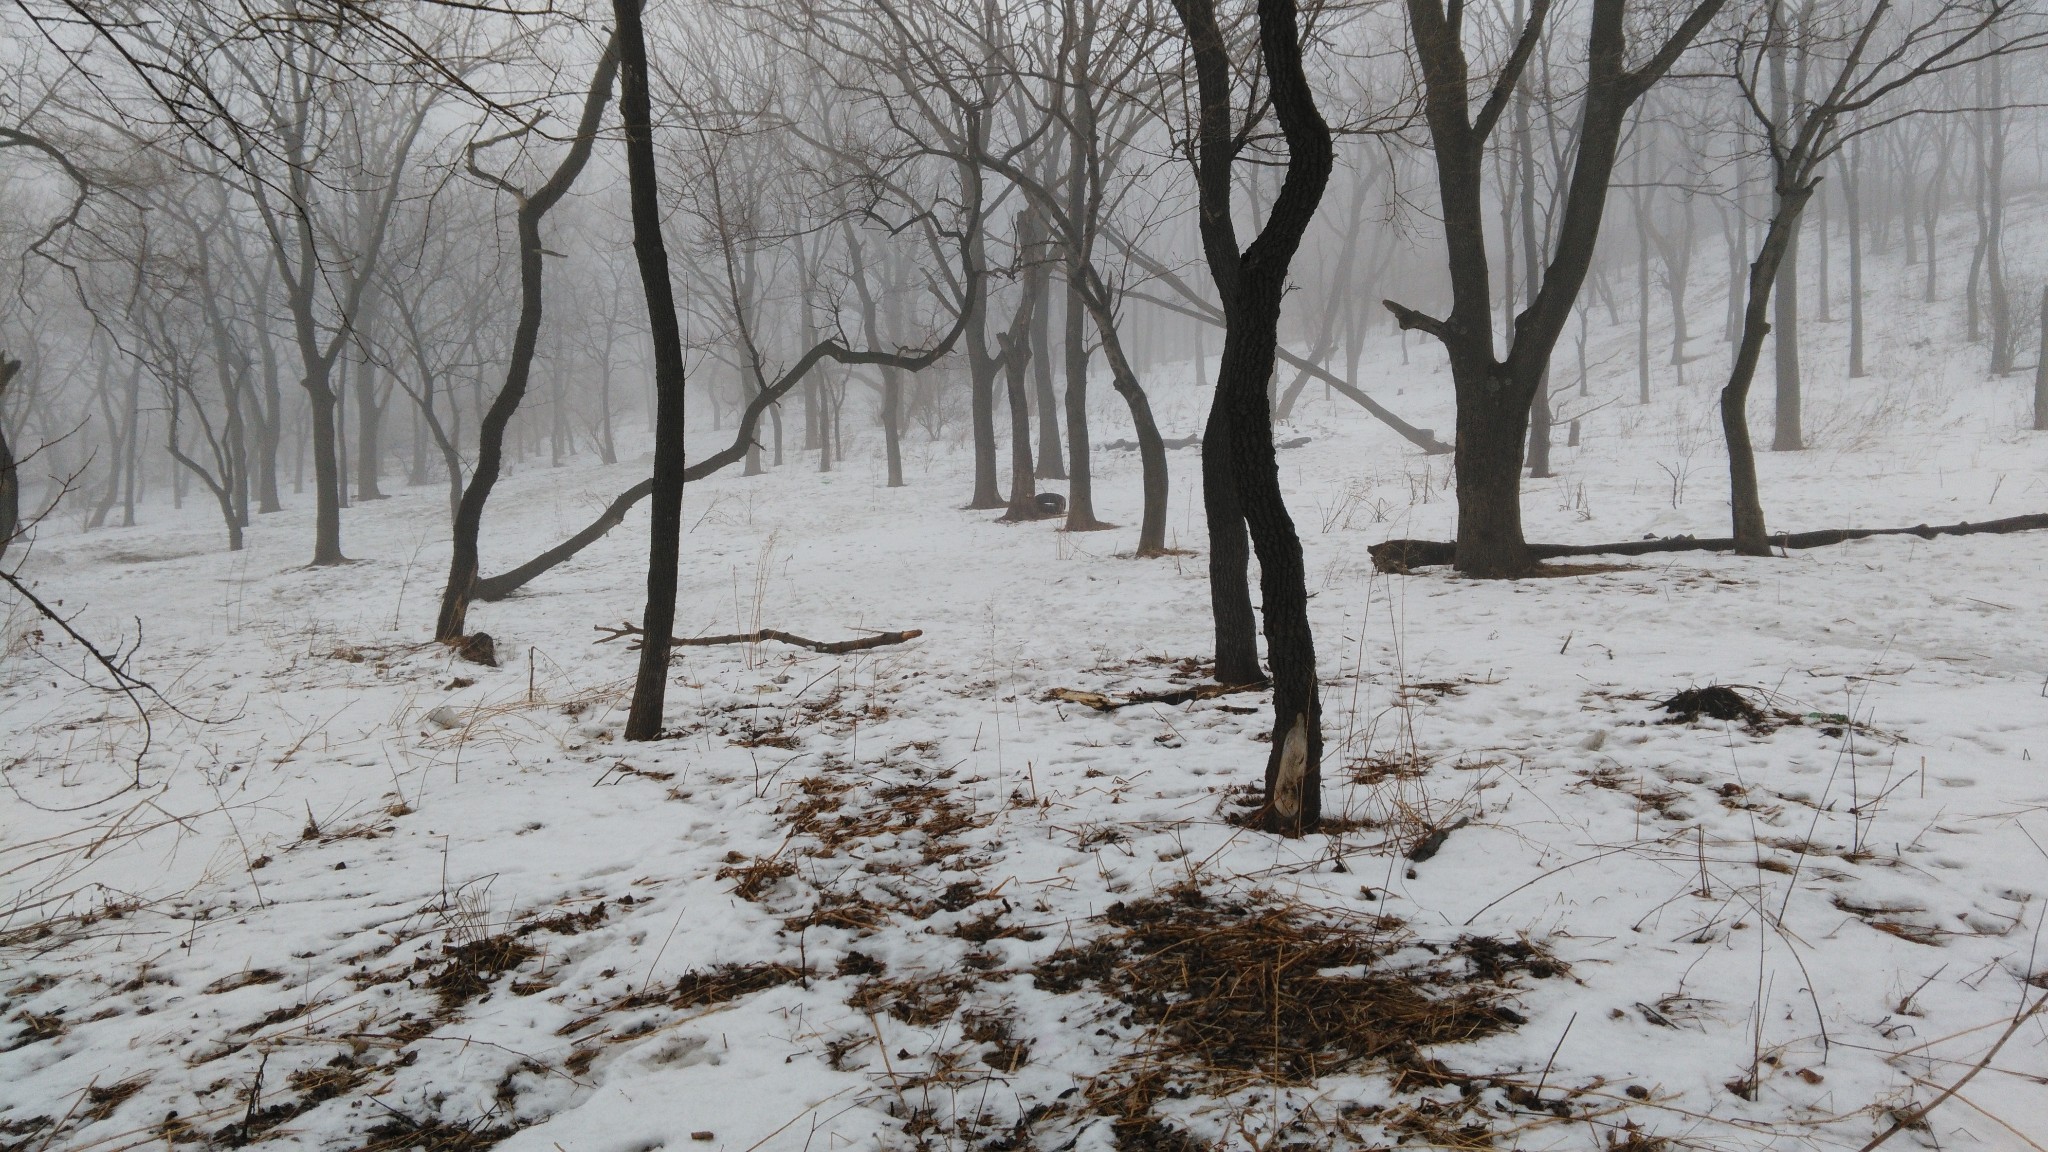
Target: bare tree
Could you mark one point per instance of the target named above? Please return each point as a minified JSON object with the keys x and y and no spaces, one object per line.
{"x":1494,"y":393}
{"x":1870,"y":58}
{"x":1240,"y":475}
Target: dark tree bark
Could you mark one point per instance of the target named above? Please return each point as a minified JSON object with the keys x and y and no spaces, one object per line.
{"x":1494,"y":395}
{"x":650,"y":252}
{"x":10,"y":484}
{"x":1525,"y":178}
{"x":1250,"y":283}
{"x":464,"y":563}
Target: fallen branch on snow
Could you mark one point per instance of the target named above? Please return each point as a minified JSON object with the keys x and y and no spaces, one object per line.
{"x":833,"y":647}
{"x":1102,"y":703}
{"x":1401,"y":556}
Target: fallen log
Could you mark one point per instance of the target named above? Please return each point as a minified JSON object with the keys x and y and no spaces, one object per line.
{"x":1400,"y":556}
{"x":829,"y":647}
{"x":1102,"y":703}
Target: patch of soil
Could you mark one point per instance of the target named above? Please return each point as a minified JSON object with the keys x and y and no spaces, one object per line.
{"x":1716,"y":701}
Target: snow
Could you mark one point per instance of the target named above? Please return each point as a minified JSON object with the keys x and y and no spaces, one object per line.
{"x":1846,"y":910}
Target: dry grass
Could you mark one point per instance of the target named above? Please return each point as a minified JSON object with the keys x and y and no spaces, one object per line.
{"x":1230,"y":993}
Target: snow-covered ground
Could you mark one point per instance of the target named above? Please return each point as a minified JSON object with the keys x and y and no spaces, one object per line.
{"x":369,"y":896}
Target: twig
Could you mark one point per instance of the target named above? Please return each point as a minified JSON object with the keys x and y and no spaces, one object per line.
{"x":1917,"y":1115}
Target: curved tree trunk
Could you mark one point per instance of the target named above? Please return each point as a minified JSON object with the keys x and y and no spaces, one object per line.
{"x":665,"y":531}
{"x":464,"y":563}
{"x":1744,"y":498}
{"x":1251,"y":283}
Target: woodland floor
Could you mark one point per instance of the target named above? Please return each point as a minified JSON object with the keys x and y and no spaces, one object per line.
{"x":368,"y":897}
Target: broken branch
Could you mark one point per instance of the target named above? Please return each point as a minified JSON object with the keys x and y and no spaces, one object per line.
{"x":1102,"y":703}
{"x":831,"y":647}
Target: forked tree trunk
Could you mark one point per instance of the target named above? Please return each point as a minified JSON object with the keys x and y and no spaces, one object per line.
{"x":1251,"y":283}
{"x":1015,"y":345}
{"x":1494,"y":395}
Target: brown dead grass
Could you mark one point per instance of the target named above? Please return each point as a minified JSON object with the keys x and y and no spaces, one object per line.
{"x":1257,"y":990}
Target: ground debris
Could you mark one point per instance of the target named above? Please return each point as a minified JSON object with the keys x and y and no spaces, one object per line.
{"x":471,"y":966}
{"x":732,"y":981}
{"x":1715,"y":701}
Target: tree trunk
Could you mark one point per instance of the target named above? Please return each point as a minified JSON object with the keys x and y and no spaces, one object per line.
{"x":1230,"y":555}
{"x":320,"y":407}
{"x":983,"y":367}
{"x":1251,"y":283}
{"x":1015,"y":345}
{"x":464,"y":562}
{"x":369,"y":429}
{"x":1052,"y":464}
{"x":2041,"y":371}
{"x":2003,"y":337}
{"x":1745,"y":502}
{"x":1080,"y":476}
{"x":271,"y":430}
{"x":1525,"y":147}
{"x":1852,"y":203}
{"x":1822,"y":291}
{"x":1786,"y":437}
{"x":10,"y":483}
{"x":650,"y":684}
{"x":1642,"y":292}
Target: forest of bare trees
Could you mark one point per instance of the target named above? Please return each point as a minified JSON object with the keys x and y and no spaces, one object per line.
{"x":241,"y":233}
{"x":1094,"y":266}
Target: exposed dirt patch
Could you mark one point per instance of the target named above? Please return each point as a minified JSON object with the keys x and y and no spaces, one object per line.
{"x":1715,"y":701}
